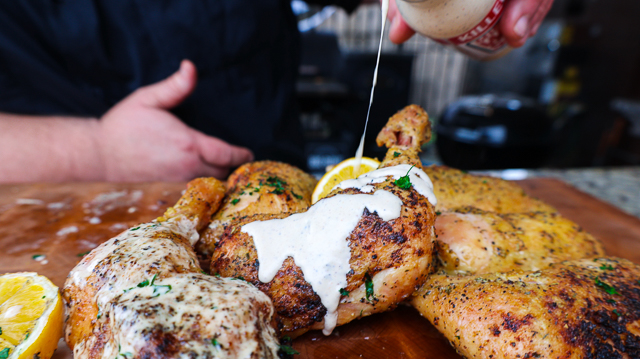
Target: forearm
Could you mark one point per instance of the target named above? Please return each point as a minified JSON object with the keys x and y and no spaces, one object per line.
{"x":49,"y":149}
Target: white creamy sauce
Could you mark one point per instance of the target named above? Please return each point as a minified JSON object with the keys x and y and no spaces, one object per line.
{"x":316,"y":240}
{"x":142,"y":293}
{"x":183,"y":227}
{"x":420,"y":181}
{"x":384,"y":9}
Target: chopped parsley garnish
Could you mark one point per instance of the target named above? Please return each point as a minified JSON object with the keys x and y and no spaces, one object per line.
{"x":404,"y":182}
{"x":616,"y":313}
{"x":135,"y":229}
{"x":611,"y":301}
{"x":239,"y":278}
{"x":438,"y":213}
{"x":296,"y":195}
{"x":368,"y":284}
{"x":215,"y":343}
{"x":38,"y":257}
{"x":4,"y":354}
{"x":277,"y":183}
{"x":161,"y":289}
{"x":235,"y":201}
{"x":146,"y":283}
{"x":396,"y":154}
{"x":158,"y":289}
{"x":288,"y":350}
{"x":83,"y":254}
{"x":607,"y":288}
{"x":344,"y":292}
{"x":0,"y":330}
{"x":607,"y":267}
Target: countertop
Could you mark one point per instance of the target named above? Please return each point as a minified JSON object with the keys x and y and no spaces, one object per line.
{"x":619,"y":186}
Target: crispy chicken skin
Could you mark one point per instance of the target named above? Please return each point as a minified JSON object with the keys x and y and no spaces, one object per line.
{"x":472,"y":241}
{"x":455,"y":188}
{"x":395,"y":256}
{"x":587,"y":308}
{"x":261,"y":187}
{"x":142,"y":294}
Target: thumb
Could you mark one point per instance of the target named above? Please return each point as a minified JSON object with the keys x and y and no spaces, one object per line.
{"x":171,"y":91}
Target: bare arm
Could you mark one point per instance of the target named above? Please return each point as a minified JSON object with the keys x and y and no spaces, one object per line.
{"x":48,"y":149}
{"x":137,"y":140}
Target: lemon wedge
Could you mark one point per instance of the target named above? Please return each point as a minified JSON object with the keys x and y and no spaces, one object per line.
{"x":342,"y":171}
{"x":31,"y":315}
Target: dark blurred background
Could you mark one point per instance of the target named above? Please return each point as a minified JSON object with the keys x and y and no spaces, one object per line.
{"x":569,"y":98}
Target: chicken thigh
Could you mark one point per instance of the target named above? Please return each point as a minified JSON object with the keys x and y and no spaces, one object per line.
{"x":388,"y":256}
{"x":261,"y":187}
{"x":455,"y":188}
{"x":472,"y":241}
{"x":142,"y":294}
{"x":588,"y":308}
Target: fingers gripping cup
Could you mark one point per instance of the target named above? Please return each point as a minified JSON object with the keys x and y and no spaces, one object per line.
{"x":469,"y":26}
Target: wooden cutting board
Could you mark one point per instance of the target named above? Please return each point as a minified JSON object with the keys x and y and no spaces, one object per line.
{"x":64,"y":221}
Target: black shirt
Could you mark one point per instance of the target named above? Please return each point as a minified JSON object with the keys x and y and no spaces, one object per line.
{"x":80,"y":57}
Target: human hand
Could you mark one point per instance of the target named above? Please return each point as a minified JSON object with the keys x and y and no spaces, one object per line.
{"x":140,"y":140}
{"x":520,"y":20}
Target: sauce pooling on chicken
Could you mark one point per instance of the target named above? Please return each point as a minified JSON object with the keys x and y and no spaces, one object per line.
{"x":419,"y":180}
{"x":317,"y":239}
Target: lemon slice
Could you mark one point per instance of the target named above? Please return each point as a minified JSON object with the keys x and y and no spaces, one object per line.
{"x":340,"y":172}
{"x":31,"y":314}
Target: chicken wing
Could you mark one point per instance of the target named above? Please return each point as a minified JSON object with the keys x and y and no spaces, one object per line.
{"x":142,"y":294}
{"x":386,"y":260}
{"x":587,"y":308}
{"x":455,"y":188}
{"x":472,"y":241}
{"x":261,"y":187}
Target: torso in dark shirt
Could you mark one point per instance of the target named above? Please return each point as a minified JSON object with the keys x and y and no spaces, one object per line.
{"x":79,"y":58}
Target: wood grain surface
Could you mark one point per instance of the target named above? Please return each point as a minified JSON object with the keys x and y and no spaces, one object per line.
{"x":64,"y":221}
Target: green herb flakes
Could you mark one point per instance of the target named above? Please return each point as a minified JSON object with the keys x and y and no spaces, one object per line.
{"x":368,"y":284}
{"x":396,"y":154}
{"x":344,"y":292}
{"x":404,"y":182}
{"x":4,"y":354}
{"x":607,"y":288}
{"x":83,"y":254}
{"x":606,"y":267}
{"x":288,"y":350}
{"x":277,"y":184}
{"x":215,"y":343}
{"x":38,"y":257}
{"x":235,"y":201}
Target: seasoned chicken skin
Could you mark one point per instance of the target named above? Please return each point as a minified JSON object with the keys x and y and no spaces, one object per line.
{"x":261,"y":187}
{"x":389,"y":260}
{"x":587,"y":308}
{"x":472,"y":241}
{"x":455,"y":188}
{"x":142,"y":294}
